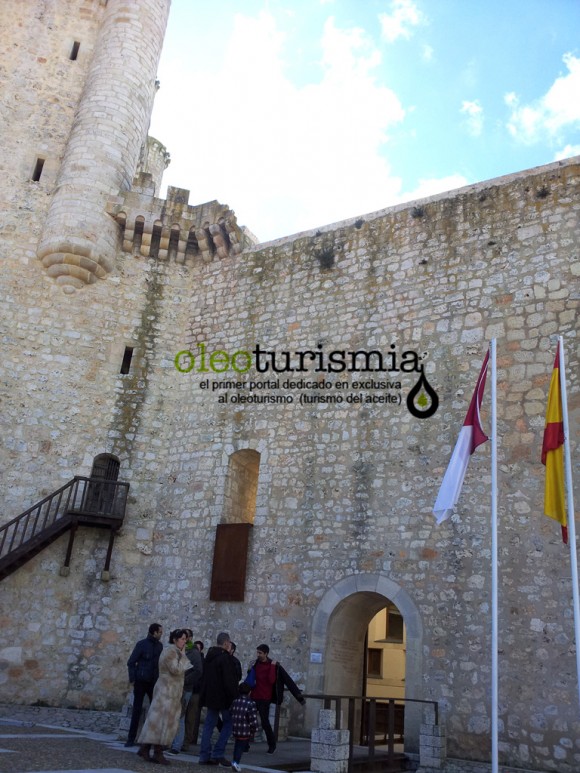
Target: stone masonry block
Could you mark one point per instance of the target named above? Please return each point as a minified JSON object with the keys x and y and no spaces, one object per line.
{"x":326,"y":719}
{"x":330,"y":736}
{"x":324,"y":751}
{"x":438,"y":731}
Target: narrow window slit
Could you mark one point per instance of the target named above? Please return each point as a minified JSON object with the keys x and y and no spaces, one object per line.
{"x":126,"y":364}
{"x":74,"y":51}
{"x":38,"y":170}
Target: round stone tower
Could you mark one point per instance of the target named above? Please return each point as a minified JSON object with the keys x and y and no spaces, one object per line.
{"x":80,"y":240}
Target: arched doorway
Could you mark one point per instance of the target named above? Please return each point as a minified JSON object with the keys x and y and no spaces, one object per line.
{"x":101,"y":493}
{"x":338,"y":640}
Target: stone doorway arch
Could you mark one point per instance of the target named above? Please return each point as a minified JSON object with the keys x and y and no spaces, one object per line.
{"x":339,"y":627}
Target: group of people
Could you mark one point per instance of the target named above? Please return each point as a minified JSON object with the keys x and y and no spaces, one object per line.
{"x":179,"y":681}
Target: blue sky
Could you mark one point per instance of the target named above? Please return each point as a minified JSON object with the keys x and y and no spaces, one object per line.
{"x":300,"y":113}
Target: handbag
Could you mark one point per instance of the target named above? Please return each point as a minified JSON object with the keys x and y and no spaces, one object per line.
{"x":251,"y":677}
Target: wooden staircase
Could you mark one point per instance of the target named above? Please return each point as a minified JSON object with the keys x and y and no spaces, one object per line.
{"x":80,"y":502}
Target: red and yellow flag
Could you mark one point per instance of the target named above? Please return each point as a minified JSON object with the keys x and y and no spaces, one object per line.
{"x":553,"y":453}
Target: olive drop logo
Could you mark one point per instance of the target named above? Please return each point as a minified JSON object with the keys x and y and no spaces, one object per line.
{"x":422,"y":400}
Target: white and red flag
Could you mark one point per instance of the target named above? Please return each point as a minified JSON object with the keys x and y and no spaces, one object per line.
{"x":470,"y":437}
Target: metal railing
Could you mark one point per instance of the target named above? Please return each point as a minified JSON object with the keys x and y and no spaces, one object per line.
{"x":91,"y":501}
{"x":366,"y":718}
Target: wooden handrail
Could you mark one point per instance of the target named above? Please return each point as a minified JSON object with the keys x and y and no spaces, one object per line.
{"x":85,"y":501}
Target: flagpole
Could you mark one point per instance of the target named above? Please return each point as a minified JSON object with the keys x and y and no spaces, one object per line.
{"x":494,"y":638}
{"x":570,"y":508}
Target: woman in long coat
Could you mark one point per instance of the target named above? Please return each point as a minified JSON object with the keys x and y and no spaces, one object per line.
{"x":163,"y":715}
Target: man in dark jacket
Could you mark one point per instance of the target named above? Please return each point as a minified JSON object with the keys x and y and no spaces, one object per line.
{"x":143,"y":668}
{"x":219,"y":688}
{"x":271,"y":679}
{"x":193,"y":707}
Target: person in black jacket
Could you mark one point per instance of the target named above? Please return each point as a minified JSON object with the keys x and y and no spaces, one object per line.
{"x":219,"y":688}
{"x":143,"y":666}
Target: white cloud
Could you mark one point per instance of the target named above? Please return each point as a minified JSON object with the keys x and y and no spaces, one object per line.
{"x":290,"y":157}
{"x":432,"y":186}
{"x":555,"y":112}
{"x":404,"y":15}
{"x":474,"y":117}
{"x":567,"y":152}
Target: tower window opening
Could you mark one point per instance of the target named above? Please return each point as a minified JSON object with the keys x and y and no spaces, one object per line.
{"x":74,"y":51}
{"x":192,"y":246}
{"x":173,"y":247}
{"x":155,"y":239}
{"x":127,"y":357}
{"x":38,"y":169}
{"x":138,"y":234}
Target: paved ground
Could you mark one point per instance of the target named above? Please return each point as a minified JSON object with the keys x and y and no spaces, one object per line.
{"x":34,"y":740}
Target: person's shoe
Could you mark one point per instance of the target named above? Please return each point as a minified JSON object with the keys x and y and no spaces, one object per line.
{"x":158,"y":755}
{"x":144,"y":750}
{"x":272,"y":748}
{"x":236,"y":766}
{"x":129,"y":743}
{"x":223,"y":763}
{"x":208,"y":762}
{"x":173,"y":751}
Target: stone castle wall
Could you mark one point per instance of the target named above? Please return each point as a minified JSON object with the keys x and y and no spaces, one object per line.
{"x":345,"y":489}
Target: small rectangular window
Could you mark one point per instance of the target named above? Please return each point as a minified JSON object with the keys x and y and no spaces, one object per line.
{"x":74,"y":51}
{"x":395,"y":630}
{"x":37,"y":170}
{"x":126,"y":364}
{"x":374,"y":663}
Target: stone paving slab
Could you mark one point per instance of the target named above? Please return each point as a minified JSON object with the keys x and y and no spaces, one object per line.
{"x":29,"y":746}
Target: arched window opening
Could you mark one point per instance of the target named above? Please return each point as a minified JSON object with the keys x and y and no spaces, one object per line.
{"x":192,"y":245}
{"x":155,"y":239}
{"x":173,"y":246}
{"x":225,"y":235}
{"x":209,"y":238}
{"x":232,"y":540}
{"x":138,"y":234}
{"x":241,"y":487}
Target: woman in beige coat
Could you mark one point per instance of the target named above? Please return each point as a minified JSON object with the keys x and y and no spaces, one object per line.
{"x":163,"y":715}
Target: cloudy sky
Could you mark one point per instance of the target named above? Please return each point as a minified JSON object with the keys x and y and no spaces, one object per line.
{"x":300,"y":113}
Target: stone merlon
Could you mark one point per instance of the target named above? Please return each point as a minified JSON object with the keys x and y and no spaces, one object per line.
{"x":172,"y":230}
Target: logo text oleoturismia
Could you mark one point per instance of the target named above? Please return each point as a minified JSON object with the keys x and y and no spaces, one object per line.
{"x":300,"y":361}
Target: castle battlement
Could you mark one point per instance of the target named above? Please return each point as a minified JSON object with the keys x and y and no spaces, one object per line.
{"x":173,"y":230}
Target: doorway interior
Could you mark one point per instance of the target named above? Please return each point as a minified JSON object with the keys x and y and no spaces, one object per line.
{"x":340,"y":640}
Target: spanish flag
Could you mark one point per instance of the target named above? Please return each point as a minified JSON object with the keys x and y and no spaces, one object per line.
{"x":553,"y":453}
